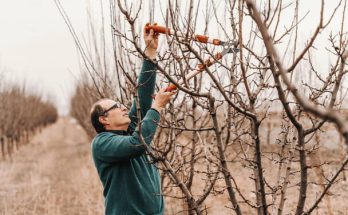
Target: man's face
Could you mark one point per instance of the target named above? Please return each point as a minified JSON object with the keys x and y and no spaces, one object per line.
{"x":116,"y":116}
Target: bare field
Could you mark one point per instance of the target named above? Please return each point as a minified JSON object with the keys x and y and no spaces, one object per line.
{"x":52,"y":175}
{"x":55,"y":175}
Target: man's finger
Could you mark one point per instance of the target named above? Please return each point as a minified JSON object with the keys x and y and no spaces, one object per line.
{"x":151,"y":33}
{"x":156,"y":35}
{"x":162,"y":90}
{"x":146,"y":31}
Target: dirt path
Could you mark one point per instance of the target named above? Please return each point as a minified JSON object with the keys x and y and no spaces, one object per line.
{"x":54,"y":175}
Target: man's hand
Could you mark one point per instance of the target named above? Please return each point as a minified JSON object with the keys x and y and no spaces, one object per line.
{"x":151,"y":41}
{"x":162,"y":98}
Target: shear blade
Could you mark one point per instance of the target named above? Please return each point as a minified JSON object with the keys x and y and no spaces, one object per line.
{"x":233,"y":50}
{"x":229,"y":50}
{"x":224,"y":43}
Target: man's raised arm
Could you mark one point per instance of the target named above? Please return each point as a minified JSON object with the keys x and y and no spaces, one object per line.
{"x":147,"y":78}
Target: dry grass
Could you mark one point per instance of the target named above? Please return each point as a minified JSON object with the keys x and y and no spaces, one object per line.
{"x":52,"y":175}
{"x":219,"y":205}
{"x":55,"y":175}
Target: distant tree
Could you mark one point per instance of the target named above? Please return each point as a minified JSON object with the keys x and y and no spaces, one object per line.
{"x":22,"y":115}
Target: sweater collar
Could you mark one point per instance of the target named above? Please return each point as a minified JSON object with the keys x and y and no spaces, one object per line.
{"x":118,"y":132}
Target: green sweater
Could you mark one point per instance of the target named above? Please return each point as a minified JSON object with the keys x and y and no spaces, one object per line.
{"x":131,"y":183}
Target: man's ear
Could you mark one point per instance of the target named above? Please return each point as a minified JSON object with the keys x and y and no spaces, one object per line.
{"x":103,"y":120}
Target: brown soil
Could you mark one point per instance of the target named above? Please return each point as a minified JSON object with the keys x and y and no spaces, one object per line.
{"x":55,"y":175}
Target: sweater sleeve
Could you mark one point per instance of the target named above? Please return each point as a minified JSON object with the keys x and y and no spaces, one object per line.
{"x":108,"y":147}
{"x":146,"y":88}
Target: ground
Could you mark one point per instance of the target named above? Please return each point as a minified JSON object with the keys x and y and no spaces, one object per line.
{"x":54,"y":174}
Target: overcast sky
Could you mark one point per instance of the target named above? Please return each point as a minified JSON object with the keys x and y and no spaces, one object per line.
{"x":36,"y":45}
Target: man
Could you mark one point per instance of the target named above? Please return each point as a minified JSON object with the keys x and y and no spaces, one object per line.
{"x":131,"y":183}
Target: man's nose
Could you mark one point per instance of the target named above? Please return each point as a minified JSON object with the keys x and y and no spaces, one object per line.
{"x":123,"y":108}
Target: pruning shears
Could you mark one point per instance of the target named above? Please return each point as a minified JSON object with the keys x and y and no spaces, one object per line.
{"x":229,"y":47}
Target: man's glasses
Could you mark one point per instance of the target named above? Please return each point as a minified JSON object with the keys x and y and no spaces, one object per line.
{"x":112,"y":107}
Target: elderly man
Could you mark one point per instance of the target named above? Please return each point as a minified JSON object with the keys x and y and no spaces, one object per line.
{"x":131,"y":182}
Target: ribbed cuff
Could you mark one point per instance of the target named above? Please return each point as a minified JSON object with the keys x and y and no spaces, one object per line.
{"x":155,"y":110}
{"x":149,"y":62}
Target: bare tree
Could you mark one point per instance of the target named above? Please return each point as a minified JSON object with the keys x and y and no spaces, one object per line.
{"x":23,"y":114}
